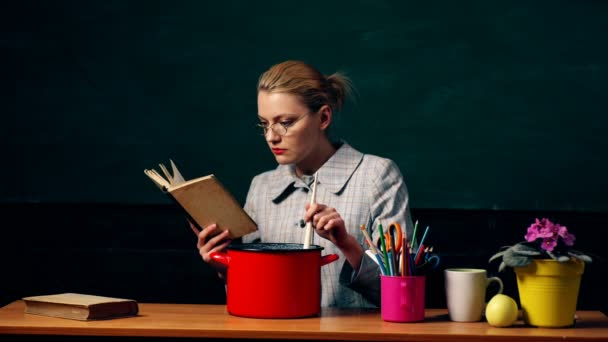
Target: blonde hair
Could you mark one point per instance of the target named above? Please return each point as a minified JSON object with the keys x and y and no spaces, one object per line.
{"x":303,"y":80}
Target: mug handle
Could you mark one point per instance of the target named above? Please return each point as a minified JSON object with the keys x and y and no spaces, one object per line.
{"x":406,"y":301}
{"x":498,"y":280}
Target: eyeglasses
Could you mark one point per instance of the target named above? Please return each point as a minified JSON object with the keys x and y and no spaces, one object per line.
{"x":280,"y":127}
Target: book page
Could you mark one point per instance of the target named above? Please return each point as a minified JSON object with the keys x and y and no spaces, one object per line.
{"x":168,"y":181}
{"x":177,"y":176}
{"x":162,"y":183}
{"x":75,"y":299}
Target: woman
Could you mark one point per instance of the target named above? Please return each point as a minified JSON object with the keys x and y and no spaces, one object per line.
{"x":296,"y":105}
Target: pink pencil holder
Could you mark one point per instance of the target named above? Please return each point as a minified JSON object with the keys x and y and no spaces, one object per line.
{"x":402,"y":298}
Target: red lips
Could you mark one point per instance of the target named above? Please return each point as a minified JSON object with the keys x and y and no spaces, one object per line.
{"x":278,"y":151}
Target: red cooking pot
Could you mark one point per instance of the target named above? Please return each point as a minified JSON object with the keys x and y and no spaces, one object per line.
{"x":273,"y":280}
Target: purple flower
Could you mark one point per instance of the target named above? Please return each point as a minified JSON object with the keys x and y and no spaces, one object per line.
{"x":532,"y":234}
{"x":547,"y":231}
{"x":548,"y":244}
{"x":540,"y":229}
{"x":567,"y":237}
{"x":544,"y":240}
{"x":550,"y":233}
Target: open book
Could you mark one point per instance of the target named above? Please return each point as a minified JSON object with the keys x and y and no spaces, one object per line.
{"x":205,"y":201}
{"x":80,"y":306}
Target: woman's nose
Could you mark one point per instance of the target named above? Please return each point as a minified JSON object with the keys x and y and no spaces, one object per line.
{"x":272,"y":136}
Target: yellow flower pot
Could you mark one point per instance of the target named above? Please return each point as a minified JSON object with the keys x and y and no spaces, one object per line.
{"x":548,"y":291}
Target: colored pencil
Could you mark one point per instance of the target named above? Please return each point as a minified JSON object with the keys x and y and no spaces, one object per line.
{"x":368,"y":239}
{"x":414,"y":234}
{"x":383,"y":246}
{"x":426,"y":231}
{"x":377,"y":259}
{"x":402,"y":258}
{"x":419,"y":255}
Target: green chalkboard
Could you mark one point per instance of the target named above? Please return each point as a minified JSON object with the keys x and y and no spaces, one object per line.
{"x":483,"y":105}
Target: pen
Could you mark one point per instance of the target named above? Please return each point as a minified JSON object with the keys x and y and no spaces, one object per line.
{"x":391,"y":263}
{"x":383,"y":245}
{"x":377,"y":260}
{"x":393,"y":254}
{"x":422,"y":240}
{"x":414,"y":234}
{"x":410,"y":261}
{"x":419,"y":255}
{"x":381,"y":264}
{"x":402,"y":258}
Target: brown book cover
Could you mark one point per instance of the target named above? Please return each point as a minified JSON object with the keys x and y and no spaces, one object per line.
{"x":205,"y":201}
{"x":81,"y":307}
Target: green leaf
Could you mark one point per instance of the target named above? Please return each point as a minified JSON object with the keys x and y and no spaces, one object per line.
{"x":580,"y":256}
{"x":525,"y":250}
{"x":511,"y":258}
{"x":563,"y":258}
{"x":496,"y":256}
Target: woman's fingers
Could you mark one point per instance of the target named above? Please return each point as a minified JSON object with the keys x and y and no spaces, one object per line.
{"x":195,"y":230}
{"x":311,"y":210}
{"x":210,"y":241}
{"x":207,"y":250}
{"x":206,"y":244}
{"x":204,"y":234}
{"x":213,"y":246}
{"x":327,"y":221}
{"x":320,"y":219}
{"x":220,"y":247}
{"x":219,"y":238}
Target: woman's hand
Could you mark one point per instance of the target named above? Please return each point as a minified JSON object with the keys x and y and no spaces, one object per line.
{"x":327,"y":223}
{"x":208,"y":243}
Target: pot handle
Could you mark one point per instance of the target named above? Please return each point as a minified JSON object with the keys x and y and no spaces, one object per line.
{"x":220,"y":257}
{"x":329,"y":258}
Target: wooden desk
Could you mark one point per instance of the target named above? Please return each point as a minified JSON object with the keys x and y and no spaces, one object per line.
{"x":213,"y":321}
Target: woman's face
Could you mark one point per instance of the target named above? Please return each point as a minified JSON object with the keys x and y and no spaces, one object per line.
{"x":304,"y":129}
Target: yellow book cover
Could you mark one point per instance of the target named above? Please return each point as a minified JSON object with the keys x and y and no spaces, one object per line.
{"x":205,"y":201}
{"x":79,"y":306}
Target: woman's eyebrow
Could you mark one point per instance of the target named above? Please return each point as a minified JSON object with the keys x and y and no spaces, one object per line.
{"x":278,"y":117}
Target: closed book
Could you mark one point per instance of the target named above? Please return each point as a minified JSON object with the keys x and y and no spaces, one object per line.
{"x":205,"y":201}
{"x":81,"y":307}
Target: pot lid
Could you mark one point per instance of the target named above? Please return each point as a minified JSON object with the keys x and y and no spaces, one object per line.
{"x":273,"y":247}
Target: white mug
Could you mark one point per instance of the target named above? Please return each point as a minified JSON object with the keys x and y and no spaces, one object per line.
{"x":465,"y":290}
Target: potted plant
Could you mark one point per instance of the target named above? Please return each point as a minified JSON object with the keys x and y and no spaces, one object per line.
{"x":548,"y":273}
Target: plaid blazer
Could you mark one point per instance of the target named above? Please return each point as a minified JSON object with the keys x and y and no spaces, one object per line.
{"x":364,"y":189}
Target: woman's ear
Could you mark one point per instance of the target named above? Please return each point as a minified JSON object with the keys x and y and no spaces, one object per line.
{"x":326,"y":115}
